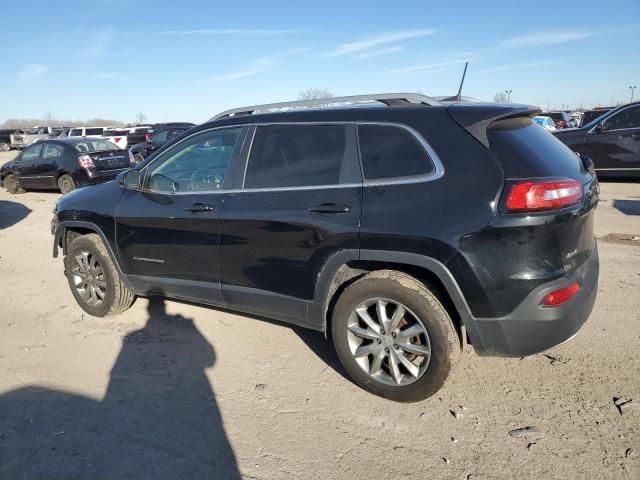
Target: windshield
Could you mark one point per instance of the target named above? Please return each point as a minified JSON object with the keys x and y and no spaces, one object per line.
{"x":95,"y":146}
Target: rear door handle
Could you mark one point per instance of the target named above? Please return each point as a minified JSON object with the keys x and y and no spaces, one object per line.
{"x":330,"y":208}
{"x":200,"y":207}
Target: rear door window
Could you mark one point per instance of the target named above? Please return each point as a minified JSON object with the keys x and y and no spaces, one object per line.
{"x":75,"y":132}
{"x":94,"y":131}
{"x":389,"y":152}
{"x":52,"y":151}
{"x":285,"y":156}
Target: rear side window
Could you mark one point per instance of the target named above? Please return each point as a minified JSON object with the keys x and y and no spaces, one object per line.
{"x":52,"y":151}
{"x":299,"y":156}
{"x":391,"y":152}
{"x":94,"y":131}
{"x":75,"y":132}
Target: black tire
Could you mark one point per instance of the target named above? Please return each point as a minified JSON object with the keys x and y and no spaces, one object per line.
{"x":117,"y":297}
{"x":66,"y":183}
{"x":138,"y":157}
{"x":445,"y":345}
{"x":4,"y":147}
{"x":12,"y":184}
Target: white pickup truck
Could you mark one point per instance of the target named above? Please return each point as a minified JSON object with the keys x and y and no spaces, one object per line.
{"x":24,"y":138}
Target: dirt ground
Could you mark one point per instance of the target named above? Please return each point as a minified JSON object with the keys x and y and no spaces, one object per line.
{"x":173,"y":390}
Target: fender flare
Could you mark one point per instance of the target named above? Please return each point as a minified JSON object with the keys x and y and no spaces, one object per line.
{"x":320,"y":305}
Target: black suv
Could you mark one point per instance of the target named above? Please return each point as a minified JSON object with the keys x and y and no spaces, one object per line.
{"x":611,"y":141}
{"x":401,"y":231}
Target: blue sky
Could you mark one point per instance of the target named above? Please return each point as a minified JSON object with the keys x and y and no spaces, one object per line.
{"x":187,"y":60}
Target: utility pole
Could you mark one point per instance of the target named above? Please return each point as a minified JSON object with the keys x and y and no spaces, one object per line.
{"x":508,"y":92}
{"x":632,"y":90}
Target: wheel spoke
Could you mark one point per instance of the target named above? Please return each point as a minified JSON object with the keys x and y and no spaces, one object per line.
{"x":397,"y":316}
{"x":101,"y":283}
{"x":368,"y":349}
{"x":411,"y":368}
{"x":376,"y":365}
{"x":362,"y":332}
{"x":393,"y":366}
{"x":99,"y":293}
{"x":366,"y":318}
{"x":412,"y":331}
{"x":413,"y":348}
{"x":381,"y":310}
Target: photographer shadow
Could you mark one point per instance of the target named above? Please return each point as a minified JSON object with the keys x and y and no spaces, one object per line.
{"x":158,"y":419}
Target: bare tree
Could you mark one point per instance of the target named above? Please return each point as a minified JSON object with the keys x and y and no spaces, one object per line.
{"x":500,"y":97}
{"x":314,"y":93}
{"x":47,"y":118}
{"x":141,"y":117}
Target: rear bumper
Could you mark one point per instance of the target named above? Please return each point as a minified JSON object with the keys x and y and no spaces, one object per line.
{"x":531,"y":328}
{"x":94,"y":177}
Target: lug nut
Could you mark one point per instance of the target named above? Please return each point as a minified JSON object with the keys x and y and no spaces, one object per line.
{"x":381,"y":332}
{"x":379,"y":341}
{"x":395,"y":346}
{"x":386,"y":349}
{"x":393,"y":334}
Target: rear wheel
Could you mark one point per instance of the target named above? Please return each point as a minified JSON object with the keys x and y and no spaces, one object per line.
{"x":4,"y":147}
{"x":138,"y":157}
{"x":94,"y":279}
{"x":12,"y":184}
{"x":66,"y":183}
{"x":394,"y":337}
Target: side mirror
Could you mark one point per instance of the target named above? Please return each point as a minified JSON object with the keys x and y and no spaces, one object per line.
{"x":129,"y":179}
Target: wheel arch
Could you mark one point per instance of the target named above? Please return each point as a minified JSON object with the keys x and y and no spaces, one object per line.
{"x":434,"y":274}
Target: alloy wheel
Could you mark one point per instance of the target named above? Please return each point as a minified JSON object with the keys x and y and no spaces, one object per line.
{"x":388,"y":341}
{"x":88,"y":278}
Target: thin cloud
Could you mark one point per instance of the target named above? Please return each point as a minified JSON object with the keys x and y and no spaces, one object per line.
{"x":381,"y":39}
{"x":416,"y":69}
{"x":108,"y":76}
{"x":383,"y":51}
{"x":31,"y":71}
{"x":240,"y":32}
{"x":98,"y":41}
{"x":257,"y":66}
{"x":519,"y":66}
{"x":544,"y":38}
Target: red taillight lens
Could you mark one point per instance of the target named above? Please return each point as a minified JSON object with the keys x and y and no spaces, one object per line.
{"x":116,"y":139}
{"x":558,"y":297}
{"x":536,"y":196}
{"x":85,"y":161}
{"x":147,"y":137}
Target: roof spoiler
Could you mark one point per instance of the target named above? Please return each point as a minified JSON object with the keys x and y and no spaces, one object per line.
{"x":476,"y":118}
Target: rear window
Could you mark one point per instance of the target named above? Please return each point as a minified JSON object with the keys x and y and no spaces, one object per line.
{"x":298,"y":156}
{"x":391,"y":152}
{"x":526,"y":151}
{"x":95,"y":146}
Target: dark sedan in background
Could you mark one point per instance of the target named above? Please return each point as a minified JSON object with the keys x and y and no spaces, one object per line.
{"x":612,"y":141}
{"x":64,"y":164}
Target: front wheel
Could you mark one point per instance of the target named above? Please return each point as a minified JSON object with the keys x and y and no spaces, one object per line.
{"x":394,"y":337}
{"x":66,"y":183}
{"x":94,"y":279}
{"x":12,"y":184}
{"x":4,"y":147}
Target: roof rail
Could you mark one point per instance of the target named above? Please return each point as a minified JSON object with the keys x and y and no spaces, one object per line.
{"x":389,"y":99}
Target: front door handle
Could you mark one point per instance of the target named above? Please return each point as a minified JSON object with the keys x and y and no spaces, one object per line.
{"x":200,"y":207}
{"x":330,"y":208}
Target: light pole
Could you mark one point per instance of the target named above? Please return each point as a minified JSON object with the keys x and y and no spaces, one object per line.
{"x":508,"y":92}
{"x":632,"y":90}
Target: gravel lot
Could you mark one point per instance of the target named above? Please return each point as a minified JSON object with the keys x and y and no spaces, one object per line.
{"x":173,"y":390}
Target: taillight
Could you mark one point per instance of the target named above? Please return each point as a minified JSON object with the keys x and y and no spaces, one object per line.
{"x":545,"y":195}
{"x":147,"y":137}
{"x":116,"y":139}
{"x":563,"y":295}
{"x":85,"y":161}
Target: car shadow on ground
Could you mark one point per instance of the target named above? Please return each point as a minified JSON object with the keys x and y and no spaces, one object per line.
{"x":628,"y":207}
{"x":12,"y":213}
{"x":158,"y":419}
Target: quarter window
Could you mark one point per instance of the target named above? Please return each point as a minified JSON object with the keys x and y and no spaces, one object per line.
{"x":299,"y":156}
{"x":197,"y":164}
{"x":391,"y":152}
{"x":628,"y":118}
